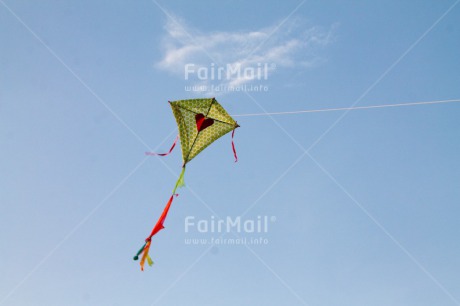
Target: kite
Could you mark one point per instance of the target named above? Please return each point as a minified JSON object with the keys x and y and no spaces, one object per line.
{"x":200,"y":123}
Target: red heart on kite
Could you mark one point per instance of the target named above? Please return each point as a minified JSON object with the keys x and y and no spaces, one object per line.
{"x":202,"y":122}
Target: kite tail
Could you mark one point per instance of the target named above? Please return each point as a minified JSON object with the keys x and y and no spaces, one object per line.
{"x":144,"y":250}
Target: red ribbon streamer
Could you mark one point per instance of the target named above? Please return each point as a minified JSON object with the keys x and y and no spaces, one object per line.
{"x":159,"y":226}
{"x":163,"y":154}
{"x":233,"y":147}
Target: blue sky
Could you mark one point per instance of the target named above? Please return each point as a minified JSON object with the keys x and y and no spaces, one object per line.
{"x":362,"y":205}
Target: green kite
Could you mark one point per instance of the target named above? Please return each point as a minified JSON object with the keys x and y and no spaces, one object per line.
{"x":200,"y":123}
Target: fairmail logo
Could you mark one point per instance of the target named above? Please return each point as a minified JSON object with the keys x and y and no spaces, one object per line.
{"x":260,"y":224}
{"x":228,"y":72}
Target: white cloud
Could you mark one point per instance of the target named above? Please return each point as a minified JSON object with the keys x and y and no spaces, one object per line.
{"x":291,"y":46}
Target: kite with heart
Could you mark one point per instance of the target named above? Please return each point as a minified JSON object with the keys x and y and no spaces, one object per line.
{"x":200,"y":123}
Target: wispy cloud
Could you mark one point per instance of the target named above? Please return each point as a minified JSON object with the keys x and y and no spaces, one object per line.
{"x":293,"y":46}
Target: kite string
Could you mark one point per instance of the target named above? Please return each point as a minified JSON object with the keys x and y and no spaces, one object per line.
{"x":347,"y":108}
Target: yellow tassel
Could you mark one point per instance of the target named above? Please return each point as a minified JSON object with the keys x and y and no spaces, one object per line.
{"x":149,"y":261}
